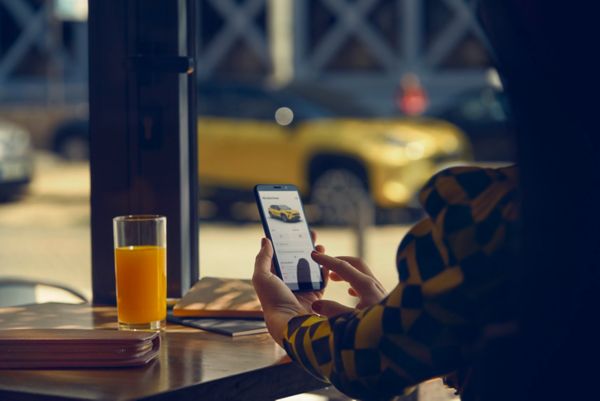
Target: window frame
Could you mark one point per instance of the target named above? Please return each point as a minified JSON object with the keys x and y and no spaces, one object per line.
{"x":143,"y":131}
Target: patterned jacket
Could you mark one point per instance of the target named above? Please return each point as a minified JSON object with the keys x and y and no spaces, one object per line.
{"x":453,"y":267}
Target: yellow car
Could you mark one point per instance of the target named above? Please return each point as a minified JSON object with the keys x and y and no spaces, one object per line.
{"x":335,"y":154}
{"x":284,"y":213}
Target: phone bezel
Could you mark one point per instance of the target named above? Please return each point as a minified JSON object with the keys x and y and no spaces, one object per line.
{"x":291,"y":188}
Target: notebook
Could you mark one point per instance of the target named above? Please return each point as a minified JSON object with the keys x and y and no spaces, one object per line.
{"x":218,"y":298}
{"x":227,"y":326}
{"x":76,"y":348}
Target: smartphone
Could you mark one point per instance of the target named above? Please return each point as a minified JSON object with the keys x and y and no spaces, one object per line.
{"x":285,"y":225}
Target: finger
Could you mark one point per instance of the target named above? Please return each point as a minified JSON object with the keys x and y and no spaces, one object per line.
{"x":325,"y":272}
{"x":313,"y":237}
{"x":264,"y":259}
{"x":358,"y":263}
{"x":330,"y":308}
{"x":345,"y":270}
{"x":321,"y":249}
{"x":335,"y":277}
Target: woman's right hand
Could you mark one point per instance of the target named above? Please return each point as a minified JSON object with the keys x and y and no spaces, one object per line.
{"x":355,"y":272}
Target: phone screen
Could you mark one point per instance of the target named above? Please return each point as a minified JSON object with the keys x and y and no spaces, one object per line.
{"x":285,"y":224}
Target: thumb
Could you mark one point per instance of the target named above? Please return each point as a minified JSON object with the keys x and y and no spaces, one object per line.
{"x":264,"y":258}
{"x":330,"y":308}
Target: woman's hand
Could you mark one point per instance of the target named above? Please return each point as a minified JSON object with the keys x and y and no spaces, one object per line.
{"x":279,"y":303}
{"x":363,"y":283}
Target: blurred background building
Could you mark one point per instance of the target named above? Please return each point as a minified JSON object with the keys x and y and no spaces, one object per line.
{"x":364,"y":47}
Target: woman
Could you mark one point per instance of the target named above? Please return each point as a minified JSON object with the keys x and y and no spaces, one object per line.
{"x":454,"y":267}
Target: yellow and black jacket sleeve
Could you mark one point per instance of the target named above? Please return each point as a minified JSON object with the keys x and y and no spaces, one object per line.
{"x":452,"y":269}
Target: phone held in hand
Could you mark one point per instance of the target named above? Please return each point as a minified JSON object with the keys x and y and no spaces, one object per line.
{"x":284,"y":222}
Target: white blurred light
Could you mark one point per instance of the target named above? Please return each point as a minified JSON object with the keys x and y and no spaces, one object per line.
{"x":71,"y":10}
{"x":284,"y":116}
{"x":493,"y":78}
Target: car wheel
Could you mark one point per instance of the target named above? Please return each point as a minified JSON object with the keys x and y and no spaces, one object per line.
{"x":342,"y":198}
{"x":12,"y":192}
{"x":75,"y":149}
{"x":71,"y":141}
{"x":284,"y":218}
{"x":223,"y":209}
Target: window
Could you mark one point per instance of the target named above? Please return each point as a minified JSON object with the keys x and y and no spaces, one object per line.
{"x":337,"y":72}
{"x":44,"y":173}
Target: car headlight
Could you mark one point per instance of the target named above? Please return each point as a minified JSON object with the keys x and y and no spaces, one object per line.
{"x":14,"y":142}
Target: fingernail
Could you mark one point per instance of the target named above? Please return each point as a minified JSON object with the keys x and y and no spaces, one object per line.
{"x":263,"y":241}
{"x":314,"y":252}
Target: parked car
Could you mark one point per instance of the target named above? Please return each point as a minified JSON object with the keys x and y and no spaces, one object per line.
{"x":484,"y":115}
{"x":61,"y":127}
{"x":284,"y":213}
{"x":16,"y":160}
{"x":338,"y":154}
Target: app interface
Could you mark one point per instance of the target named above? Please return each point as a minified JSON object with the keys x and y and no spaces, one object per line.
{"x":291,"y":239}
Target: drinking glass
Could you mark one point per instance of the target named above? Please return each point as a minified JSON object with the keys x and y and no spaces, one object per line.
{"x":141,"y":271}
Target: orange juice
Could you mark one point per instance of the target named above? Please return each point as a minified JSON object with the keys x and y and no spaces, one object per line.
{"x":141,"y":275}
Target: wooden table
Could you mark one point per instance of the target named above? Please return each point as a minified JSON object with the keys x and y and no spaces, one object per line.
{"x":193,"y":364}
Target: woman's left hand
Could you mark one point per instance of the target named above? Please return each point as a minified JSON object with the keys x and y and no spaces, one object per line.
{"x":279,"y":303}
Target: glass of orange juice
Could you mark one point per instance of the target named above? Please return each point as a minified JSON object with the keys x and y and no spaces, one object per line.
{"x":141,"y":271}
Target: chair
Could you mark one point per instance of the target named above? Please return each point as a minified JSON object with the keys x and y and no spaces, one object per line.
{"x":19,"y":291}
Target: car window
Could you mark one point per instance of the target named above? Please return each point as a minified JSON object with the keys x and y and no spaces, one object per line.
{"x":245,"y":102}
{"x":303,"y":109}
{"x":317,"y":102}
{"x":236,"y":103}
{"x":486,"y":106}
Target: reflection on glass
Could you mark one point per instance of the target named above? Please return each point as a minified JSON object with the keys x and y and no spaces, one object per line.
{"x":44,"y":181}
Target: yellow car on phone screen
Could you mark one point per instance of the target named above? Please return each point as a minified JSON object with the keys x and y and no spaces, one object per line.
{"x":284,"y":213}
{"x":335,"y":152}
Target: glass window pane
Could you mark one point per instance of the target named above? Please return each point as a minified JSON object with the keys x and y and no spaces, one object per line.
{"x":332,"y":99}
{"x":44,"y":173}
